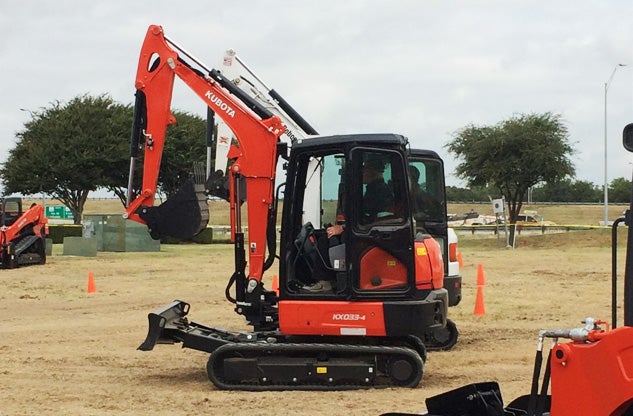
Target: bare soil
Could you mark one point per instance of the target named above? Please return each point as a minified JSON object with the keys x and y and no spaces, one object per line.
{"x":65,"y":351}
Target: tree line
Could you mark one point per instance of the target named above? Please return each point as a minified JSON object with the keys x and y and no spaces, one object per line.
{"x":68,"y":150}
{"x":567,"y":190}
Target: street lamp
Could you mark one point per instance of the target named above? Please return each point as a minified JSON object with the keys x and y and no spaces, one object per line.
{"x":606,"y":185}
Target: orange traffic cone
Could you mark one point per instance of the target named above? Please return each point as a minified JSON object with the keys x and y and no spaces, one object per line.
{"x":91,"y":283}
{"x":480,"y":309}
{"x":460,"y":260}
{"x":275,"y":284}
{"x":481,"y":280}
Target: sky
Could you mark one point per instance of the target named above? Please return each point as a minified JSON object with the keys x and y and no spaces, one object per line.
{"x":421,"y":68}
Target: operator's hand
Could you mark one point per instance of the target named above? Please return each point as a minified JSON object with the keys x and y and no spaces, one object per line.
{"x":334,"y":230}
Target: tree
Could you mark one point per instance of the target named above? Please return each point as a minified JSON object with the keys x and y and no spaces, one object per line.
{"x":473,"y":194}
{"x":514,"y":155}
{"x":620,"y":190}
{"x":66,"y":150}
{"x":185,"y":147}
{"x":567,"y":190}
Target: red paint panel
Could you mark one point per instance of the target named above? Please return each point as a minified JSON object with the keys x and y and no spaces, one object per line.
{"x":593,"y":378}
{"x":429,"y":266}
{"x":381,"y":270}
{"x":318,"y":317}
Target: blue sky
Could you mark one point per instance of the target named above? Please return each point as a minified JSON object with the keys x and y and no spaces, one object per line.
{"x":420,"y":68}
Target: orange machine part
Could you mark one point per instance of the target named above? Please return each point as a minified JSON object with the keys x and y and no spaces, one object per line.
{"x":381,"y":270}
{"x":35,"y":216}
{"x":304,"y":317}
{"x":593,"y":378}
{"x":429,"y":266}
{"x":256,"y":157}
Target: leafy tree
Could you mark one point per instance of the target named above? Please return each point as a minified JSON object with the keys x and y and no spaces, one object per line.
{"x":185,"y":148}
{"x":65,"y":151}
{"x":68,"y":150}
{"x":514,"y":155}
{"x":620,"y":190}
{"x":567,"y":190}
{"x":474,"y":194}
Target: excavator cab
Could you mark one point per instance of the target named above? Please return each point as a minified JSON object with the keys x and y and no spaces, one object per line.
{"x":373,"y":211}
{"x":384,"y":254}
{"x":365,"y":187}
{"x":11,"y":210}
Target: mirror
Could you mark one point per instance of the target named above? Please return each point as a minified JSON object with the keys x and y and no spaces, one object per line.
{"x":627,"y":137}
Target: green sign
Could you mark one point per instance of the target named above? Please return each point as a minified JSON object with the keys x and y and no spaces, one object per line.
{"x":59,"y":213}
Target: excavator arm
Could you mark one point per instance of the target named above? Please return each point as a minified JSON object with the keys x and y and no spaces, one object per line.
{"x":255,"y":156}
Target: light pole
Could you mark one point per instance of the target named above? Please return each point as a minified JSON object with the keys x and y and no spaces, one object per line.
{"x":606,"y":184}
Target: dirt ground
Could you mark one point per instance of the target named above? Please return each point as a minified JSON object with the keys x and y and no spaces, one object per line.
{"x":65,"y":351}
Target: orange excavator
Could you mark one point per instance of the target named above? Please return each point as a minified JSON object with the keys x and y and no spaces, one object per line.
{"x":355,"y":310}
{"x":591,"y":374}
{"x":22,"y":234}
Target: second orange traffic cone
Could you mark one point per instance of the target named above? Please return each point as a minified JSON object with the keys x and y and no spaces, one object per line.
{"x":91,"y":283}
{"x":481,"y":280}
{"x":480,"y":309}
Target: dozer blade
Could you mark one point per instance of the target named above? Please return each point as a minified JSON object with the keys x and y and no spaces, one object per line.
{"x":182,"y":216}
{"x":169,"y":325}
{"x":160,"y":321}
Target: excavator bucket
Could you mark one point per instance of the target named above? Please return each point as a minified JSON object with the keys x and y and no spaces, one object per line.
{"x":181,"y":216}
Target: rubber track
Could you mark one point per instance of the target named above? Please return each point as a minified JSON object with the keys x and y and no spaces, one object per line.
{"x":310,"y":351}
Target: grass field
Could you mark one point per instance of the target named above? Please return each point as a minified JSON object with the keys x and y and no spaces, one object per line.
{"x":69,"y":352}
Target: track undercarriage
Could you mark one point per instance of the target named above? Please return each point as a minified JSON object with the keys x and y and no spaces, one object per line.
{"x":273,"y":361}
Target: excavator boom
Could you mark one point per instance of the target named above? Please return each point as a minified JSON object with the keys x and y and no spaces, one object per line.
{"x":255,"y":156}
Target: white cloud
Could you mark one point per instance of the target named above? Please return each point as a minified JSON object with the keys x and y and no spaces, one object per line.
{"x":420,"y":68}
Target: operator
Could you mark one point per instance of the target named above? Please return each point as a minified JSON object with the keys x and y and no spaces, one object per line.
{"x":424,"y":205}
{"x":417,"y":196}
{"x":323,"y":276}
{"x":378,"y":196}
{"x":335,"y":230}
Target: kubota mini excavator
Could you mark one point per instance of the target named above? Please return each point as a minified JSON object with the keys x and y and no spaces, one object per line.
{"x":590,"y":375}
{"x":385,"y":300}
{"x":22,"y":234}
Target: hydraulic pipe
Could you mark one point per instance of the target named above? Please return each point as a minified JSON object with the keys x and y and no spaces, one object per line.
{"x":138,"y":129}
{"x":614,"y":271}
{"x":210,"y":135}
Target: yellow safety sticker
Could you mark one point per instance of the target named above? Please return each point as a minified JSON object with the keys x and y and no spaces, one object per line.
{"x":391,"y":263}
{"x":321,"y":370}
{"x":421,"y":251}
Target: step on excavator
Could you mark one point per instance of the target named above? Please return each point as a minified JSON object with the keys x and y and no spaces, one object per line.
{"x":355,"y":308}
{"x":22,"y":234}
{"x":591,"y":374}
